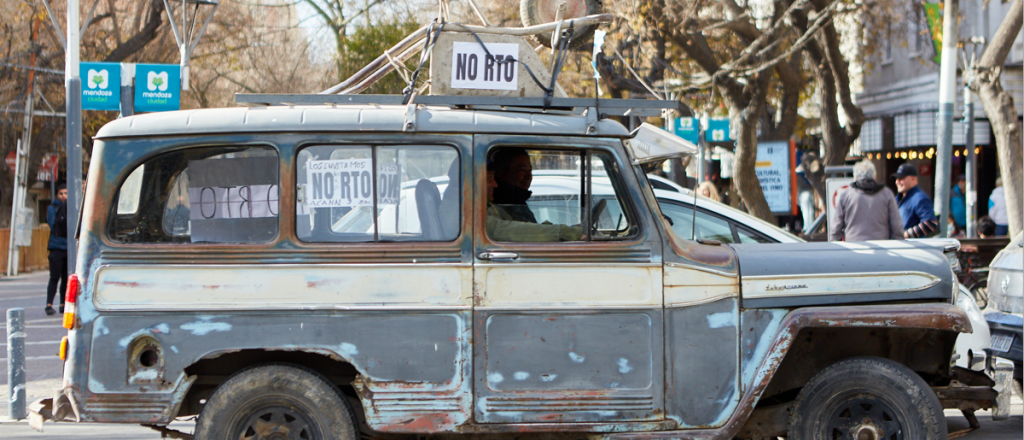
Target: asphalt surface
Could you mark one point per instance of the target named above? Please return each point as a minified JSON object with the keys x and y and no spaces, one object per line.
{"x":44,"y":371}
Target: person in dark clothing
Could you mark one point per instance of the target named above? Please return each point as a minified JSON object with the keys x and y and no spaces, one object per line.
{"x":916,"y":208}
{"x":57,"y":218}
{"x":514,"y":174}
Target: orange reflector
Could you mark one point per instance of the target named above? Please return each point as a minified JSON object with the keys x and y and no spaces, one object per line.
{"x":69,"y":316}
{"x":64,"y":348}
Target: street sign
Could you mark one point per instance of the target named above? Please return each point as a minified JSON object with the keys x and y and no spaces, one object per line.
{"x":12,"y":159}
{"x":48,"y":168}
{"x":833,"y":186}
{"x":774,"y":169}
{"x":101,"y":88}
{"x":687,"y":128}
{"x":157,"y":87}
{"x":718,"y":130}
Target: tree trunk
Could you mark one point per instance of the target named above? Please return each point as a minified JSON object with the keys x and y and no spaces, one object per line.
{"x":746,"y":118}
{"x":1003,"y":115}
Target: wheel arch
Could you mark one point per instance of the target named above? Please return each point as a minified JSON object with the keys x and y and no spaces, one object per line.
{"x":919,"y":336}
{"x":213,"y":369}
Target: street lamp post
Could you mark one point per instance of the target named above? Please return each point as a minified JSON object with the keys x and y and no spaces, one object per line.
{"x":184,"y":37}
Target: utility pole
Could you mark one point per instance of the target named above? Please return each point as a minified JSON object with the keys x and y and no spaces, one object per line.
{"x":947,"y":100}
{"x":21,"y":161}
{"x":73,"y":90}
{"x":970,"y":173}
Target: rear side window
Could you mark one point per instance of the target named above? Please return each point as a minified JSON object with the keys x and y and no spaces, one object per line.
{"x":368,"y":193}
{"x":200,"y":195}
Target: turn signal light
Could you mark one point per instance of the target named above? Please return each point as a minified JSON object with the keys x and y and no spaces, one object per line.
{"x":69,"y":301}
{"x":64,"y":348}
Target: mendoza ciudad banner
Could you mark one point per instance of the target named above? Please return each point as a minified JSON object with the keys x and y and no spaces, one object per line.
{"x":101,"y":86}
{"x":157,"y":87}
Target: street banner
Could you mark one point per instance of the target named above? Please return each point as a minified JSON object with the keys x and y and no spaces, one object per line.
{"x":101,"y":88}
{"x":718,"y":130}
{"x":157,"y":87}
{"x":473,"y":68}
{"x":775,"y":171}
{"x":348,"y":183}
{"x":933,"y":11}
{"x":687,"y":128}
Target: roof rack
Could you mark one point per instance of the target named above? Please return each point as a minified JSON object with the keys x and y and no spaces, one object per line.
{"x":607,"y":107}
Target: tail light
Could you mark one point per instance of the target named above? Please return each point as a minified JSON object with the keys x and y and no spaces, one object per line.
{"x":69,"y":301}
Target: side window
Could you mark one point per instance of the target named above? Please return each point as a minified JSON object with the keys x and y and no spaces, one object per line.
{"x":200,"y":195}
{"x":708,"y":226}
{"x":748,"y":236}
{"x":548,"y":195}
{"x":367,"y":193}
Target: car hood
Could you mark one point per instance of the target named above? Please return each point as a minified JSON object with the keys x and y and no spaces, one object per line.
{"x":803,"y":274}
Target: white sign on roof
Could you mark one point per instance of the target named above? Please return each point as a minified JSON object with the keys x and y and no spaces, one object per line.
{"x":472,"y":68}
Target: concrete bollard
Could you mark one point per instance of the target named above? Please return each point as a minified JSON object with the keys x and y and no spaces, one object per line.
{"x":16,"y":363}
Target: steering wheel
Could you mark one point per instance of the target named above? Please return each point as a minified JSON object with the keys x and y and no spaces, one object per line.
{"x":596,"y":211}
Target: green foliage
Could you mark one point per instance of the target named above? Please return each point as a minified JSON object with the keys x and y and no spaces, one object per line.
{"x":369,"y":42}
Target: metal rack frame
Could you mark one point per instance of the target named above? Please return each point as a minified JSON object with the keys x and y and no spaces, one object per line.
{"x":607,"y":107}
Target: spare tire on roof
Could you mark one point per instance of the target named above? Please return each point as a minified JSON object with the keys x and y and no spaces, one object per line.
{"x":534,"y":12}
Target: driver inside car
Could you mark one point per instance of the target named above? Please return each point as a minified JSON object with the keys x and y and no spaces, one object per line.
{"x":513,"y":173}
{"x":502,"y":226}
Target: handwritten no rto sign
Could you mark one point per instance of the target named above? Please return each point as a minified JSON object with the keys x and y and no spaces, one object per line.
{"x":472,"y":68}
{"x":349,"y":183}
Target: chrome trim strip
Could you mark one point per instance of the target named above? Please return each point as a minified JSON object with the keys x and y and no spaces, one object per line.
{"x":543,"y":264}
{"x":290,"y":308}
{"x":702,"y":301}
{"x":703,"y":269}
{"x":767,"y":286}
{"x":557,"y":307}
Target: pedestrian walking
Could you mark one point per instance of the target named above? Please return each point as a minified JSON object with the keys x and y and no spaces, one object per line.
{"x":57,"y":218}
{"x":866,"y":210}
{"x":997,"y":209}
{"x":916,"y":208}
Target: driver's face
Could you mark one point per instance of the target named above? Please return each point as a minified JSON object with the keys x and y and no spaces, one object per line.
{"x":519,"y":173}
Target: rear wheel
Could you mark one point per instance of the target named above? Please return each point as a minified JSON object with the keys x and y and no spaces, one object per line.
{"x":867,"y":399}
{"x":276,"y":402}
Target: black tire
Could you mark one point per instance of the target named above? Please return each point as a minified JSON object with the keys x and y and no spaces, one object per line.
{"x":286,"y":399}
{"x":534,"y":12}
{"x":868,"y":394}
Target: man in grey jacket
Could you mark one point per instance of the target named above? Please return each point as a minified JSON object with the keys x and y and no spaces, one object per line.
{"x":866,"y":210}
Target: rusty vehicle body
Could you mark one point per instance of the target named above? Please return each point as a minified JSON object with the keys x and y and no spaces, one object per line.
{"x":648,"y":336}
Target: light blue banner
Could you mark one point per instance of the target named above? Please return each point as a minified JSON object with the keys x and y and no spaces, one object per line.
{"x":157,"y":87}
{"x":718,"y":130}
{"x":101,"y":86}
{"x":687,"y":128}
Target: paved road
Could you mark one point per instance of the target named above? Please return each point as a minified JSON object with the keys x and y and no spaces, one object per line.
{"x":44,"y":371}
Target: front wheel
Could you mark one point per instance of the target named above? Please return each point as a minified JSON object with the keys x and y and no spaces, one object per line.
{"x":867,"y":398}
{"x":276,"y":402}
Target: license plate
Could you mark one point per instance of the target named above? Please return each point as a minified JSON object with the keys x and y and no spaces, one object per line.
{"x":1001,"y":342}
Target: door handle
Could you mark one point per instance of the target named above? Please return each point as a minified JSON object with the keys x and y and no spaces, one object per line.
{"x":497,"y":255}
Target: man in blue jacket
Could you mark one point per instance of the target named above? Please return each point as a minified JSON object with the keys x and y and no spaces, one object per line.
{"x":57,"y":218}
{"x":916,"y":208}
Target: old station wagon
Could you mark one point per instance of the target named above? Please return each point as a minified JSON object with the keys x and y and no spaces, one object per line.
{"x":313,"y":271}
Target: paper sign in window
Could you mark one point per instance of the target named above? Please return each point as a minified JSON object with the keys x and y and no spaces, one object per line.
{"x":349,"y":183}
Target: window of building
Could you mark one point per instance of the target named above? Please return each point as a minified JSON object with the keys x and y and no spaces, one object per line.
{"x":200,"y":195}
{"x":367,"y":193}
{"x":549,"y":195}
